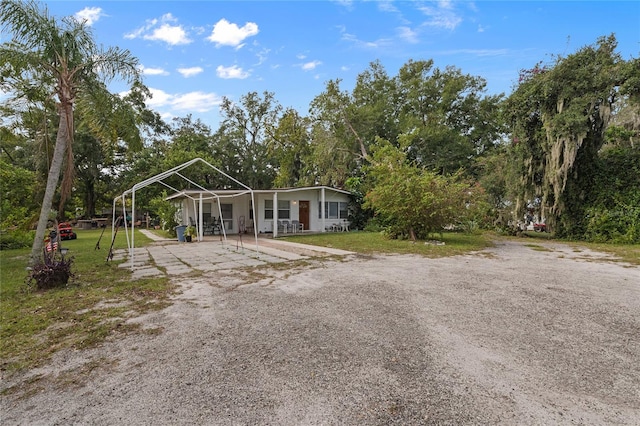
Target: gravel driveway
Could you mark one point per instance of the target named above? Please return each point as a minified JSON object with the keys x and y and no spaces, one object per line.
{"x":512,"y":335}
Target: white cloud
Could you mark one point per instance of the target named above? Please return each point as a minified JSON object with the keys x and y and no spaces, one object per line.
{"x":196,"y":101}
{"x":192,"y":101}
{"x":170,"y":34}
{"x":162,"y":30}
{"x":408,"y":35}
{"x":159,"y":98}
{"x":263,"y":55}
{"x":190,"y":72}
{"x":231,"y":72}
{"x":387,"y":6}
{"x":442,"y":16}
{"x":153,"y":71}
{"x":228,"y":34}
{"x":309,"y":66}
{"x":365,"y":44}
{"x":89,"y":15}
{"x":351,"y":38}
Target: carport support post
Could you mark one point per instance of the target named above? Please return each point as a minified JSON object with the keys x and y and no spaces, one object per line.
{"x":133,"y":224}
{"x":255,"y":222}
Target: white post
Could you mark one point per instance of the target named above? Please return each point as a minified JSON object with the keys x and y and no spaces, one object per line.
{"x":200,"y":230}
{"x":275,"y":214}
{"x":322,"y":210}
{"x":255,"y":222}
{"x":133,"y":224}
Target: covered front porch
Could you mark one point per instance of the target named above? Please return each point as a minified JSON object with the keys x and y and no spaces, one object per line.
{"x":276,"y":211}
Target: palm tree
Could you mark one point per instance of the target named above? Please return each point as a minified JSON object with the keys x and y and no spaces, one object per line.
{"x":64,"y":56}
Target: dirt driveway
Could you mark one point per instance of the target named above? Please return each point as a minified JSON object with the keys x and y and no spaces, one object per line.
{"x":511,"y":335}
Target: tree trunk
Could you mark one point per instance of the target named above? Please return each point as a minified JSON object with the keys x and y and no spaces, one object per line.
{"x":412,"y":234}
{"x":66,"y":117}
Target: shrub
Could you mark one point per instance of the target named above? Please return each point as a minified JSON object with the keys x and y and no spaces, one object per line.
{"x":16,"y":239}
{"x":50,"y":273}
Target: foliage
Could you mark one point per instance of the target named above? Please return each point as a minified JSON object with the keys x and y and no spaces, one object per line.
{"x":62,"y":58}
{"x":444,"y":119}
{"x":16,"y":186}
{"x":558,"y":116}
{"x":50,"y":272}
{"x":497,"y":177}
{"x":359,"y":215}
{"x":613,"y":204}
{"x":166,"y":210}
{"x":417,"y":202}
{"x":288,"y":145}
{"x":243,"y":133}
{"x":190,"y":231}
{"x":15,"y":239}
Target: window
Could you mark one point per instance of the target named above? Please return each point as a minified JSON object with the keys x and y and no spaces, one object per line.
{"x":268,"y":209}
{"x":227,"y":211}
{"x":206,"y":212}
{"x":227,"y":215}
{"x":284,"y":209}
{"x":333,"y":210}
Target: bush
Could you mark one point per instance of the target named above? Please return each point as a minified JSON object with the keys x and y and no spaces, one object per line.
{"x":613,"y":225}
{"x":50,"y":273}
{"x":16,"y":239}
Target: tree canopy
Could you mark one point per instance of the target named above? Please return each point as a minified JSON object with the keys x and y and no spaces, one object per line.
{"x":421,"y":149}
{"x":559,"y":116}
{"x":61,"y":60}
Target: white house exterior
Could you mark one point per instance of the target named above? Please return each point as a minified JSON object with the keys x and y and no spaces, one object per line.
{"x":294,"y":209}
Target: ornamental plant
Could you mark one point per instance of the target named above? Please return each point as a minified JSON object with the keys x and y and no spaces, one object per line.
{"x":50,"y":273}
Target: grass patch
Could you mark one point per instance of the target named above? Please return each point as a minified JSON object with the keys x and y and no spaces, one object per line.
{"x":538,"y":247}
{"x":95,"y":305}
{"x":629,"y":253}
{"x":374,"y":242}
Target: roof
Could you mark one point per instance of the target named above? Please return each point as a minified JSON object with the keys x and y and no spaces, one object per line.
{"x":230,"y":193}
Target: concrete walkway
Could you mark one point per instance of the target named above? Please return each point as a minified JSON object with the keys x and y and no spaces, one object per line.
{"x":167,"y":256}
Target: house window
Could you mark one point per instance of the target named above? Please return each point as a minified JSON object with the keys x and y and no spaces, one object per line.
{"x":206,"y":212}
{"x":284,"y":209}
{"x":333,"y":210}
{"x":227,"y":215}
{"x":268,"y":209}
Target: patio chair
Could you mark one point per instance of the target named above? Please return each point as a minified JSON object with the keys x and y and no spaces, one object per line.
{"x":296,"y":226}
{"x":283,"y":226}
{"x":215,"y":226}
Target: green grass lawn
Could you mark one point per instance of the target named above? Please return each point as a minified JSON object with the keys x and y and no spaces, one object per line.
{"x":95,"y":304}
{"x":375,"y":242}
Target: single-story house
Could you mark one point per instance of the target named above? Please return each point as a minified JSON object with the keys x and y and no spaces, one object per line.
{"x":276,"y":210}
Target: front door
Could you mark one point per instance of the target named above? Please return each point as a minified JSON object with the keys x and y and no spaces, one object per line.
{"x":303,"y":213}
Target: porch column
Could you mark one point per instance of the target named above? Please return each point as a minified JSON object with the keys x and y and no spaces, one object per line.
{"x":275,"y":214}
{"x":200,"y":230}
{"x":322,"y":210}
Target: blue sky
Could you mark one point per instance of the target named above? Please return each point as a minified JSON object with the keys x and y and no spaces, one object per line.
{"x":194,"y":53}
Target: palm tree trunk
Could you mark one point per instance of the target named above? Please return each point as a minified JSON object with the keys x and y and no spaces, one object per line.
{"x":66,"y":117}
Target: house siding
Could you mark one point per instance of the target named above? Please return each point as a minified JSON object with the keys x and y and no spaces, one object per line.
{"x":241,"y":206}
